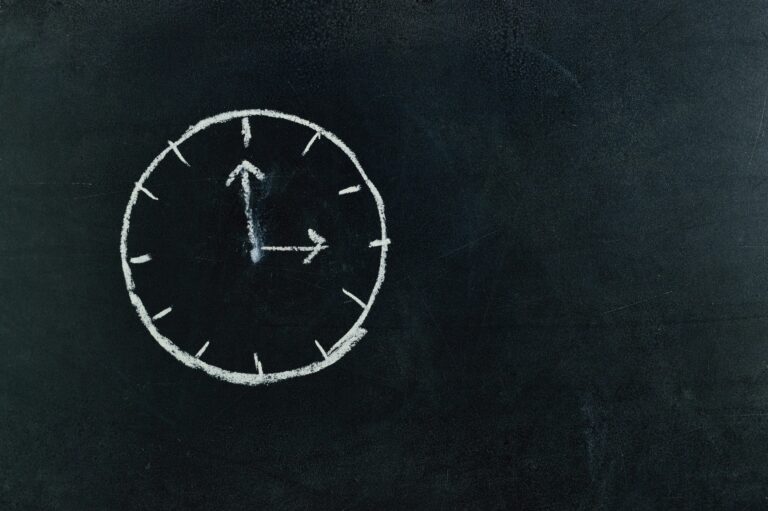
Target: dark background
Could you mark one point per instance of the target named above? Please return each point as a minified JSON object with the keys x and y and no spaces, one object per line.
{"x":575,"y":311}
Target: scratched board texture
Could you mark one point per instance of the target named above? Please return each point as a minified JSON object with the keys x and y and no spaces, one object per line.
{"x":574,"y":313}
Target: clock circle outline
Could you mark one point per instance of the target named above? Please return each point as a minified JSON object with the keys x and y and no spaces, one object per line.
{"x":341,"y":347}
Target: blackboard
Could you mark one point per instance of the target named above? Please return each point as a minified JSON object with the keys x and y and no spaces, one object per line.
{"x":573,"y":314}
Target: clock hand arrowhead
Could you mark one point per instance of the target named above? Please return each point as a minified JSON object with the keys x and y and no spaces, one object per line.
{"x":319,"y":245}
{"x":245,"y":168}
{"x":319,"y":240}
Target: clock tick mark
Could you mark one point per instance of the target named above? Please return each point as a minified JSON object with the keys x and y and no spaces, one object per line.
{"x":141,"y":259}
{"x":311,"y":141}
{"x":379,"y":243}
{"x":351,"y":189}
{"x":149,"y":194}
{"x":356,"y":299}
{"x":325,"y":355}
{"x":257,"y":363}
{"x":162,"y":313}
{"x":178,"y":153}
{"x":246,"y":131}
{"x":202,"y":350}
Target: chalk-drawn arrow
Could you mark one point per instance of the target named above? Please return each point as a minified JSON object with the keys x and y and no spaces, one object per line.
{"x":313,"y":250}
{"x":244,"y":170}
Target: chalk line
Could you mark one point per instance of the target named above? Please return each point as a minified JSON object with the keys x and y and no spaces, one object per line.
{"x":175,"y":148}
{"x":351,"y":189}
{"x":162,"y":313}
{"x":246,"y":131}
{"x":309,"y":144}
{"x":356,"y":299}
{"x":291,"y":248}
{"x":202,"y":350}
{"x":325,"y":355}
{"x":313,"y":249}
{"x":243,"y":170}
{"x":141,"y":259}
{"x":149,"y":194}
{"x":379,"y":243}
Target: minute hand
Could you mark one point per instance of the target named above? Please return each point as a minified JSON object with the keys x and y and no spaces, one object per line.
{"x":243,"y":170}
{"x":313,"y":250}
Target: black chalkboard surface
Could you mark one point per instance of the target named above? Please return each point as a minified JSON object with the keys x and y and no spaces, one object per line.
{"x":572,"y":269}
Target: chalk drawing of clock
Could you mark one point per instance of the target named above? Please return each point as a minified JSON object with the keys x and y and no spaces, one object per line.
{"x":249,"y":246}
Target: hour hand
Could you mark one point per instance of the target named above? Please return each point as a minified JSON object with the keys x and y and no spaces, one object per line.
{"x":319,"y":245}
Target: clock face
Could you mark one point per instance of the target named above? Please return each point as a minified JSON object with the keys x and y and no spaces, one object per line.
{"x":253,"y":247}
